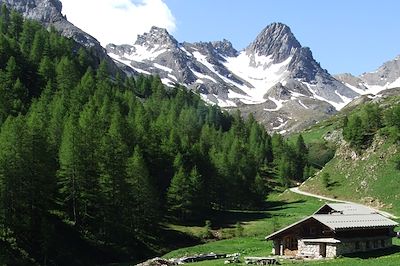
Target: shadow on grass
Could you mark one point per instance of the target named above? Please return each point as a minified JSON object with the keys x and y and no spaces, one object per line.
{"x":281,"y":205}
{"x":229,"y":218}
{"x":375,"y":253}
{"x":172,"y":239}
{"x":225,"y":218}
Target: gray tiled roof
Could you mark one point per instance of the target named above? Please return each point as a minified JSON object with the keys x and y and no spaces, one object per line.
{"x":347,"y":208}
{"x":341,"y":221}
{"x":347,"y":216}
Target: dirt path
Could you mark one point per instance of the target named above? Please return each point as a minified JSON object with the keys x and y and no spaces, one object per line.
{"x":298,"y":191}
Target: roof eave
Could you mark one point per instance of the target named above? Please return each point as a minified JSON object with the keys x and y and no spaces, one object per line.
{"x":269,"y":237}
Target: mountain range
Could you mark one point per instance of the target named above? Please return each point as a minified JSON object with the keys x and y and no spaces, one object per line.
{"x":274,"y":77}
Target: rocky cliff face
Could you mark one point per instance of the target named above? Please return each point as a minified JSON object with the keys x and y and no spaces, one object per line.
{"x":48,"y":13}
{"x":275,"y":78}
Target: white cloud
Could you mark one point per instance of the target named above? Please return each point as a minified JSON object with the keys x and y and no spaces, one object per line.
{"x":118,"y":21}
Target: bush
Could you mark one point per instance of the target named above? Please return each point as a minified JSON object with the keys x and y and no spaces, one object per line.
{"x":239,"y":229}
{"x":320,"y":153}
{"x":326,"y":180}
{"x":207,"y":233}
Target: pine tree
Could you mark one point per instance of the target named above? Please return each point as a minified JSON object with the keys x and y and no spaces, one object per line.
{"x":38,"y":46}
{"x":70,"y":170}
{"x":301,"y":152}
{"x":16,"y":22}
{"x":4,"y":19}
{"x":178,"y":195}
{"x":19,"y":98}
{"x":46,"y":70}
{"x":114,"y":155}
{"x":14,"y":175}
{"x":66,"y":75}
{"x":143,"y":211}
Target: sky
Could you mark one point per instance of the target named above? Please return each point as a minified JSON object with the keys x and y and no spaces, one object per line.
{"x":353,"y":36}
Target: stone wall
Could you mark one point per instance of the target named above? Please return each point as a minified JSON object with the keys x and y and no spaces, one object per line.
{"x":363,"y":245}
{"x":308,"y":249}
{"x":333,"y":250}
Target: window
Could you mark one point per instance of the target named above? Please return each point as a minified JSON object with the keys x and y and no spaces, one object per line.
{"x":313,"y":230}
{"x":357,"y":245}
{"x":382,"y":243}
{"x":367,"y":244}
{"x":376,"y":244}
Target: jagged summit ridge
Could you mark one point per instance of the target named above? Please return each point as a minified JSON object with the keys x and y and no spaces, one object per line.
{"x":225,"y":48}
{"x":276,"y":40}
{"x":156,"y":36}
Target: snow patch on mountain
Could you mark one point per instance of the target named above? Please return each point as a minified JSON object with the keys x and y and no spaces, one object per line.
{"x":356,"y":89}
{"x":202,"y":76}
{"x":395,"y":84}
{"x":278,"y":103}
{"x":338,"y":105}
{"x":166,"y":69}
{"x":302,"y":104}
{"x":259,"y":71}
{"x":216,"y":100}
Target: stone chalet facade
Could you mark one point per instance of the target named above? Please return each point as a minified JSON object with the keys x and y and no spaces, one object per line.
{"x":335,"y":229}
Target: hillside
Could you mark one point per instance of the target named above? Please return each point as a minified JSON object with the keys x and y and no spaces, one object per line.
{"x":365,"y":167}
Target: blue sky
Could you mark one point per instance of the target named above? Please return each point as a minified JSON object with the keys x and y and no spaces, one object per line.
{"x":353,"y":36}
{"x":344,"y":35}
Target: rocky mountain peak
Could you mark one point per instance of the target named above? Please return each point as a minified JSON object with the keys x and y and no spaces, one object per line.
{"x":277,"y":40}
{"x":225,"y":48}
{"x":45,"y":11}
{"x":156,"y":36}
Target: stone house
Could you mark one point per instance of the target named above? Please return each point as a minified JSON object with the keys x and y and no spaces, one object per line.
{"x":335,"y":229}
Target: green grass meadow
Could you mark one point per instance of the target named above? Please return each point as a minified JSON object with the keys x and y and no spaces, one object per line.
{"x":284,"y":209}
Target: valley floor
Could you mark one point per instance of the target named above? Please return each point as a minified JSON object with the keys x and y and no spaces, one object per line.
{"x":283,"y":210}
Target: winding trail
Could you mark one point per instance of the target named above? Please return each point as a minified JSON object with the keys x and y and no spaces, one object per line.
{"x":298,"y":191}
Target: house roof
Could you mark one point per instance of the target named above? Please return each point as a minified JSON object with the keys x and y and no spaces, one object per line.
{"x":342,"y":216}
{"x":345,"y":208}
{"x":287,"y":227}
{"x":338,"y":221}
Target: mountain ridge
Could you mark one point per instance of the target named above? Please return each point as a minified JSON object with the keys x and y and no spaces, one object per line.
{"x":251,"y":80}
{"x":387,"y":76}
{"x":274,"y":77}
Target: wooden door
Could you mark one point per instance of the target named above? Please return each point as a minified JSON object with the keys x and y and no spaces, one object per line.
{"x":322,"y":249}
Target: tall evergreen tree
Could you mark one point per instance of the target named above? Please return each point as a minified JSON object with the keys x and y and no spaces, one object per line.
{"x":70,"y":170}
{"x":142,"y":195}
{"x":301,"y":151}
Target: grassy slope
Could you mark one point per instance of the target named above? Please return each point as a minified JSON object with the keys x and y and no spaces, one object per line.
{"x":371,"y":178}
